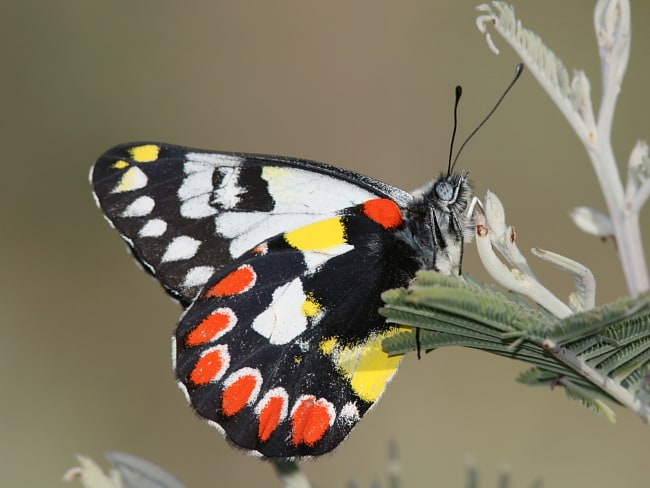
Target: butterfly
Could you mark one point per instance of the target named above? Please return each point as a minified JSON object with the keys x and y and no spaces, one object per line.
{"x":279,"y":264}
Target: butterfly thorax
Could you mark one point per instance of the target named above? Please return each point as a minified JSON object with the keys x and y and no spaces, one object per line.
{"x":438,"y":224}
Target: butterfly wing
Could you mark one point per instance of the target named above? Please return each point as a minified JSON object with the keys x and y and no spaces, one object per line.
{"x":185,"y":212}
{"x":282,"y":349}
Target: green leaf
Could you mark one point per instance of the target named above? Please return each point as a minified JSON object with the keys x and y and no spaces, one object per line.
{"x":537,"y":377}
{"x":589,"y":399}
{"x":596,"y":355}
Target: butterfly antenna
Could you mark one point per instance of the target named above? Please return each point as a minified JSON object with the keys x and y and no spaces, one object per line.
{"x":459,"y":93}
{"x":518,"y":71}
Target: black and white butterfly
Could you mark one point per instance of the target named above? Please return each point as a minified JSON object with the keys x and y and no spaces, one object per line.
{"x":280,"y":264}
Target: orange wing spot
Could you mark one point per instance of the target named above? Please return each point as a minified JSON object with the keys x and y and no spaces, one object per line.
{"x":211,"y":366}
{"x":237,"y":395}
{"x":213,"y":326}
{"x":239,"y":281}
{"x":383,"y":211}
{"x":270,"y":417}
{"x":311,"y":419}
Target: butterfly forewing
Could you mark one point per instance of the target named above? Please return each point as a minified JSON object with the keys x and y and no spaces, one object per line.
{"x":185,"y":213}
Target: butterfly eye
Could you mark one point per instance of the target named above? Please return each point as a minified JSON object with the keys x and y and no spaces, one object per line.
{"x":444,"y":190}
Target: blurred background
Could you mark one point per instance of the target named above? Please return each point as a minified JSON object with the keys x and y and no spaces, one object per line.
{"x":368,"y":85}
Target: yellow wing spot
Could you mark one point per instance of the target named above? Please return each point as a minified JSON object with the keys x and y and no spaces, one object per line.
{"x":367,"y":367}
{"x":318,"y":236}
{"x":311,"y":307}
{"x":327,"y":346}
{"x":121,"y":164}
{"x":145,"y":154}
{"x":297,"y":359}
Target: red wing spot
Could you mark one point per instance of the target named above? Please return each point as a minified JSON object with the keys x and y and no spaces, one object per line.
{"x":211,"y":327}
{"x":239,"y":281}
{"x":383,"y":211}
{"x":237,"y":395}
{"x":270,"y":417}
{"x":310,"y":421}
{"x":210,"y":366}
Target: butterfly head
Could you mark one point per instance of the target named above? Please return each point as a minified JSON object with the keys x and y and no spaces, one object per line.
{"x":439,"y":222}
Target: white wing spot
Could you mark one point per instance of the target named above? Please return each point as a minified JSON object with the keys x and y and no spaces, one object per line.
{"x":139,"y":207}
{"x":181,"y":247}
{"x":197,"y":207}
{"x":283,"y":320}
{"x":153,"y":228}
{"x":195,"y":184}
{"x":349,"y":413}
{"x":198,"y":276}
{"x":195,"y":193}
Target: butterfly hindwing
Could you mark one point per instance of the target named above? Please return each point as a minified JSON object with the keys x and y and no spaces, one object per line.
{"x":185,"y":213}
{"x":282,"y":349}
